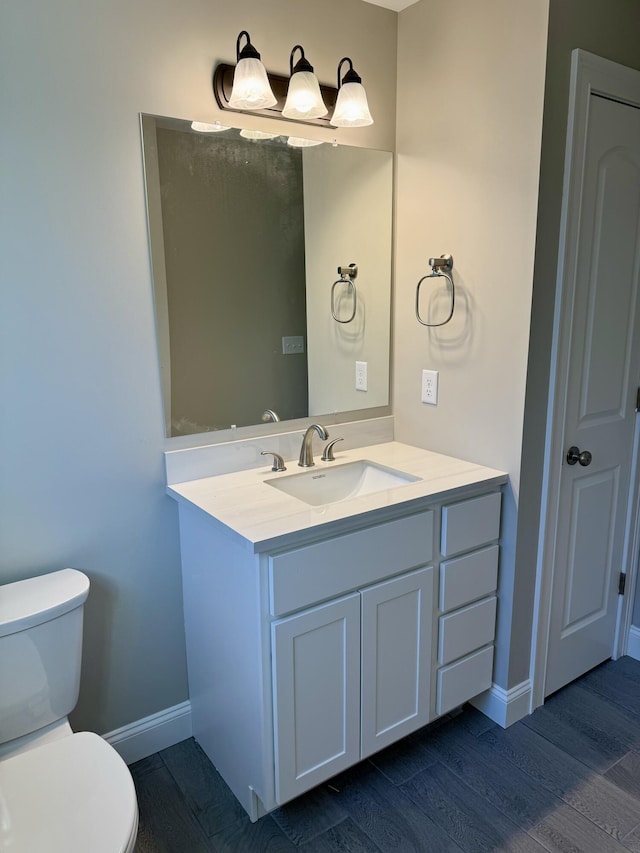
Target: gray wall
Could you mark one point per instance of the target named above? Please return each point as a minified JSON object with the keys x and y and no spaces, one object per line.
{"x":470,"y":97}
{"x":611,"y":29}
{"x":82,"y":427}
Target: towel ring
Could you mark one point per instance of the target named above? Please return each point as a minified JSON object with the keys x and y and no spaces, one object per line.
{"x":347,"y":275}
{"x":440,"y":267}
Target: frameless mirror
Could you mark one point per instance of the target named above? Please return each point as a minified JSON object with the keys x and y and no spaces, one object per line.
{"x":246,"y":238}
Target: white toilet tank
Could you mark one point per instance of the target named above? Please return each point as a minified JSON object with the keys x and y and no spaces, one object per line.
{"x":40,"y":650}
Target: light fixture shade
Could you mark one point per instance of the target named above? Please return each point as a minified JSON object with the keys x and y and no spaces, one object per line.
{"x":300,"y":142}
{"x":257,"y":134}
{"x":304,"y":100}
{"x":205,"y":127}
{"x":352,"y":108}
{"x":251,"y":89}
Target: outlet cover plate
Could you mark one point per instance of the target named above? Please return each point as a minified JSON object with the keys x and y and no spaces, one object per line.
{"x":430,"y":387}
{"x":361,"y":375}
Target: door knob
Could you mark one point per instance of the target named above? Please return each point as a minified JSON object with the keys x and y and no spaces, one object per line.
{"x":574,"y":455}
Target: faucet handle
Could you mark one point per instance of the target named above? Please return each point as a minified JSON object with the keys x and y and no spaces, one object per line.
{"x":327,"y":453}
{"x":278,"y":461}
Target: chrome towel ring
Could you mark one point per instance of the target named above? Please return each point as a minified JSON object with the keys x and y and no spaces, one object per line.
{"x":440,"y":267}
{"x":347,"y":275}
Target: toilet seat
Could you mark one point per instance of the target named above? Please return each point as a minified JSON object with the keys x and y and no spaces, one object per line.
{"x":70,"y":796}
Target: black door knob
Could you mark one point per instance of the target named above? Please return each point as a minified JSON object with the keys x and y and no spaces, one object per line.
{"x":575,"y":455}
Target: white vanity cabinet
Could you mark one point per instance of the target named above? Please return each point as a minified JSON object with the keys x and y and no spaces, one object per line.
{"x":349,"y":677}
{"x":352,"y":674}
{"x":311,"y":651}
{"x":316,"y":695}
{"x":468,"y":584}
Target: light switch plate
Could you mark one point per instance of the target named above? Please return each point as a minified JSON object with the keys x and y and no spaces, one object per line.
{"x":292,"y":344}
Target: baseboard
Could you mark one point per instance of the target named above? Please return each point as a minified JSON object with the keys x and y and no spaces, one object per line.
{"x":151,"y":734}
{"x":505,"y":707}
{"x":633,"y":646}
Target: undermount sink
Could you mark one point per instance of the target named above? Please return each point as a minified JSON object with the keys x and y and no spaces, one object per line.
{"x":323,"y":485}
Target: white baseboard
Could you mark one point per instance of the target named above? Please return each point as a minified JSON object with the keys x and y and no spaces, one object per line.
{"x":505,"y":707}
{"x":151,"y":734}
{"x":633,"y":647}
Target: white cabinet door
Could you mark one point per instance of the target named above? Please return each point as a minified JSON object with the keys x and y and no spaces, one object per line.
{"x":397,"y":619}
{"x":316,"y":690}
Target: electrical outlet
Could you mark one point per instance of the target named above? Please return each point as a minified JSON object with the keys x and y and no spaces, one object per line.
{"x":361,"y":375}
{"x":430,"y":387}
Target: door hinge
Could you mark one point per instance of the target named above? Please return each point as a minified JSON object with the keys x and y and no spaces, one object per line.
{"x":621,"y":583}
{"x":638,"y":400}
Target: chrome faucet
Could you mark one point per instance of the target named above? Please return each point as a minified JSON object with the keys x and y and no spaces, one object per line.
{"x":306,"y":451}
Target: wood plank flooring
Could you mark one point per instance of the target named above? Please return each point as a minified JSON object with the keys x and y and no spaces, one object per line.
{"x":566,"y":780}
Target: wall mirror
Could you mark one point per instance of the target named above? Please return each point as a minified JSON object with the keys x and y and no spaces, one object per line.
{"x":246,"y":237}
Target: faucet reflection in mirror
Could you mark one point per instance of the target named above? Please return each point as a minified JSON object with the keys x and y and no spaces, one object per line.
{"x":249,"y":87}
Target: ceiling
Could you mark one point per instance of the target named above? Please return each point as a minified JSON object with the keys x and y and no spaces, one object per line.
{"x":396,"y":5}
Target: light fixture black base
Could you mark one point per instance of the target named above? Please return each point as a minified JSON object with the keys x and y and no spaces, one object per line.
{"x":223,"y":84}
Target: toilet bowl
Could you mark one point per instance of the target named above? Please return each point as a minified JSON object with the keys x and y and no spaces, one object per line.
{"x":74,"y":794}
{"x":60,"y":792}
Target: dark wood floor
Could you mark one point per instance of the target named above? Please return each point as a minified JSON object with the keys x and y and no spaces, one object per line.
{"x":565,"y":779}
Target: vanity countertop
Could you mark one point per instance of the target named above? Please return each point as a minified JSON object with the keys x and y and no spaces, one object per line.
{"x":267,"y":518}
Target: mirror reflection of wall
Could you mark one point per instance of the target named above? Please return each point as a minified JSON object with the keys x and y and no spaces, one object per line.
{"x":245,"y":239}
{"x":347,"y":206}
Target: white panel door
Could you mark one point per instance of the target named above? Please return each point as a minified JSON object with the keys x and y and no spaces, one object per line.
{"x":602,"y":336}
{"x":397,"y":620}
{"x":316,"y":694}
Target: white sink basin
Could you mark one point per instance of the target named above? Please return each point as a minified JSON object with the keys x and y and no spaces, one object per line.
{"x":325,"y":484}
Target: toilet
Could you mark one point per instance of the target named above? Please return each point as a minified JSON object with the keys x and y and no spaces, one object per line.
{"x":60,"y":792}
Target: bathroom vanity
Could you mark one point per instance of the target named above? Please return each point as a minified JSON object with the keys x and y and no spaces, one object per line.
{"x":319,"y":634}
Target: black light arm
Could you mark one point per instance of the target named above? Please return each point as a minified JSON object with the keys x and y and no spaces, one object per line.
{"x":350,"y":76}
{"x":302,"y":64}
{"x":248,"y":51}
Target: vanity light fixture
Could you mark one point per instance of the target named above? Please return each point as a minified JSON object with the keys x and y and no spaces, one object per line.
{"x":297,"y":98}
{"x":352,"y":109}
{"x":204,"y":127}
{"x":251,"y":89}
{"x":303,"y":97}
{"x":317,"y":99}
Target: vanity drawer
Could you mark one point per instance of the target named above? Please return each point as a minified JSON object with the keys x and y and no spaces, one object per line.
{"x":464,"y":630}
{"x":464,"y":679}
{"x":470,"y":523}
{"x":468,"y":578}
{"x":323,"y":570}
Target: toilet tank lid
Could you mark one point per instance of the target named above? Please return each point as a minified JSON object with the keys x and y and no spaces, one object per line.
{"x":30,"y":602}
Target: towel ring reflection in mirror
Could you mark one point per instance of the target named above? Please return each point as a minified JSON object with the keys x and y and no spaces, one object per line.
{"x":440,"y":268}
{"x":347,"y":275}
